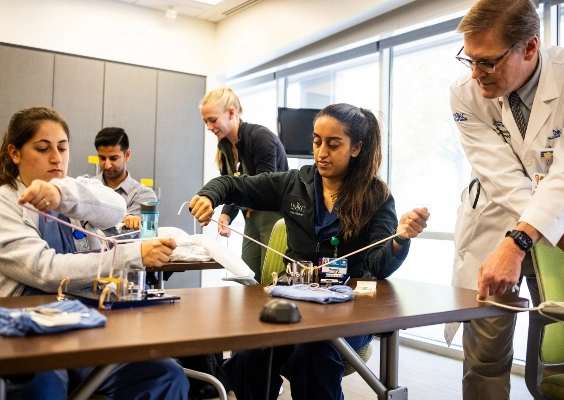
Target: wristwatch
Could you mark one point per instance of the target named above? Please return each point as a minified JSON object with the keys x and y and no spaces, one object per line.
{"x":401,"y":242}
{"x":521,"y":239}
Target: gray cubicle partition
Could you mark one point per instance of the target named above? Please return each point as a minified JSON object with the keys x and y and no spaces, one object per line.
{"x":78,"y":94}
{"x":26,"y":79}
{"x":157,"y":108}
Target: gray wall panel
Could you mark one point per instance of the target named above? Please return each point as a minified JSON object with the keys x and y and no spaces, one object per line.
{"x":26,"y":80}
{"x":180,"y":145}
{"x":79,"y":96}
{"x":179,"y":155}
{"x":130,"y":96}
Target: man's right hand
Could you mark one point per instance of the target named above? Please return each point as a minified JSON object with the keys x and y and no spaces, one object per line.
{"x":132,"y":222}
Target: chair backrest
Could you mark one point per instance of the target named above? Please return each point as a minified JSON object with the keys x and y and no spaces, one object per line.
{"x":549,"y":266}
{"x":272,"y":261}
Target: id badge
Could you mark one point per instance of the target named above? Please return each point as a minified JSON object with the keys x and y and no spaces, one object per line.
{"x":537,"y":177}
{"x":337,"y":268}
{"x":547,"y":153}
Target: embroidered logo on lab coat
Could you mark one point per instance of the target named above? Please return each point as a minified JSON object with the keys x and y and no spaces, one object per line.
{"x":500,"y":129}
{"x":555,"y":134}
{"x":459,"y":117}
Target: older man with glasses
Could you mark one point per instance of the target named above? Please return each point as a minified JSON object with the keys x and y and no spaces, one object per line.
{"x":510,"y":113}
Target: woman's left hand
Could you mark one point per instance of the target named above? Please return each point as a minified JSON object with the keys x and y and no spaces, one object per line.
{"x":412,"y":223}
{"x":43,"y":195}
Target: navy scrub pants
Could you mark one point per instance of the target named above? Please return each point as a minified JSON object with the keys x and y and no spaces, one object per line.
{"x":315,"y":370}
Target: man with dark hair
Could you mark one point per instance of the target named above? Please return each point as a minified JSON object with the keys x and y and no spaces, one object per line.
{"x":509,"y":111}
{"x":112,"y":145}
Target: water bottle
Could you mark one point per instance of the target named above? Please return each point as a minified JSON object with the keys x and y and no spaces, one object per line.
{"x":149,"y":219}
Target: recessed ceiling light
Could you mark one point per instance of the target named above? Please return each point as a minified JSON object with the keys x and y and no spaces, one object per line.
{"x":171,"y":13}
{"x":212,"y":2}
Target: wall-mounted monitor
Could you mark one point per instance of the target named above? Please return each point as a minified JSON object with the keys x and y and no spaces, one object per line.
{"x":295,"y":129}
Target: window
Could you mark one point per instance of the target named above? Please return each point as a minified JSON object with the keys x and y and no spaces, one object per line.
{"x":354,"y":82}
{"x":428,"y":165}
{"x":259,"y":105}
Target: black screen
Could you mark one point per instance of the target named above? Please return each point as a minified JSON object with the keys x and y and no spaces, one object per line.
{"x":295,"y":129}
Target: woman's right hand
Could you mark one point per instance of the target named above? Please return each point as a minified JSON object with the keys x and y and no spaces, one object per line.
{"x":201,"y":207}
{"x":154,"y":253}
{"x":224,"y":230}
{"x":43,"y":195}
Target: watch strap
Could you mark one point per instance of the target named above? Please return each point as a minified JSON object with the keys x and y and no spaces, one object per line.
{"x":401,"y":242}
{"x":521,"y":239}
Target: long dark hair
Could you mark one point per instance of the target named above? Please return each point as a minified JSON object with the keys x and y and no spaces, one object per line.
{"x":359,"y":201}
{"x":23,"y":126}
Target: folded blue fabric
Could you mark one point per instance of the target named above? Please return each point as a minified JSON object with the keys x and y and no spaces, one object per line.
{"x":19,"y":322}
{"x":333,"y":294}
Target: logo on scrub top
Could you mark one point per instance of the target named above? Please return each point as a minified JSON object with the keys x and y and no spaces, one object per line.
{"x":459,"y":117}
{"x":556,"y":133}
{"x":297,"y":209}
{"x":500,"y":129}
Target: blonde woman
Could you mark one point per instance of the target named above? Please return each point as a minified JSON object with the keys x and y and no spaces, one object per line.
{"x":243,"y":149}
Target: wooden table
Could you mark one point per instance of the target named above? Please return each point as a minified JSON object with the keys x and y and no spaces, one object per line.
{"x":181,"y":266}
{"x":209,"y":320}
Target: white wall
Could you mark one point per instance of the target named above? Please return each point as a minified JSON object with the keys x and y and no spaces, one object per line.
{"x":409,"y":17}
{"x":272,"y":28}
{"x":275,"y":29}
{"x":110,"y":30}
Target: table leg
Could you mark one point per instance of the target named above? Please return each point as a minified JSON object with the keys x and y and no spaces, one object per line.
{"x":387,"y":386}
{"x":359,"y":365}
{"x":89,"y":386}
{"x":389,"y":355}
{"x":160,"y":284}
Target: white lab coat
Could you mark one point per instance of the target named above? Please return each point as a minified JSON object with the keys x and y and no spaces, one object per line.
{"x":505,"y":189}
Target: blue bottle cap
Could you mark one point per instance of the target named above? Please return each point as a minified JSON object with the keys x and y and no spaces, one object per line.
{"x":149,"y":207}
{"x":78,"y":235}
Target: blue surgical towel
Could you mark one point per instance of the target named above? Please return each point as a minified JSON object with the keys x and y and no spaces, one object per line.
{"x":19,"y":322}
{"x":333,"y":294}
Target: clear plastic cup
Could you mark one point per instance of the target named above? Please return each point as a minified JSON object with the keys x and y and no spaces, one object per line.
{"x":131,"y":284}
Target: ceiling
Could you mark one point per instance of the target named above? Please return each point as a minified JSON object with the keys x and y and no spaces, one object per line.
{"x":196,"y":9}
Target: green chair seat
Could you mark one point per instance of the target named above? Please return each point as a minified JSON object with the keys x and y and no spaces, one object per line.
{"x":553,"y":386}
{"x":545,"y":339}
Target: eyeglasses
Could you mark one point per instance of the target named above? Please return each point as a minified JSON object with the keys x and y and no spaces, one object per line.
{"x":486,"y":66}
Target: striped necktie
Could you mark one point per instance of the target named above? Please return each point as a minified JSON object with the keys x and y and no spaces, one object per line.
{"x":514,"y":101}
